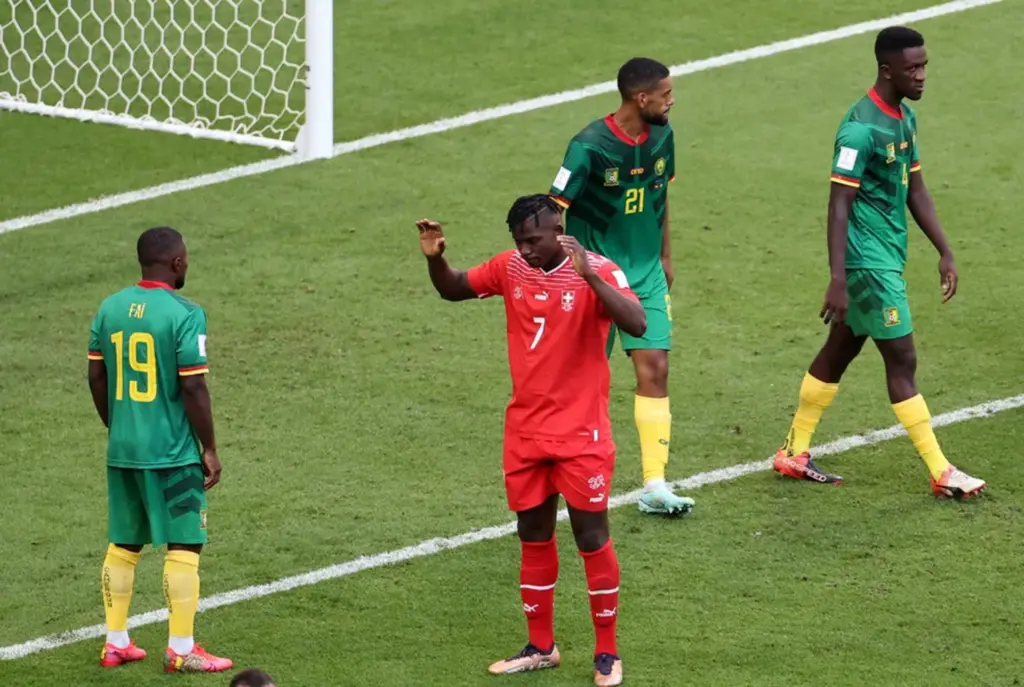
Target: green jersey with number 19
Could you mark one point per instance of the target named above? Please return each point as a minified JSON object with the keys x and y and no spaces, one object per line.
{"x":615,"y":190}
{"x":876,"y":152}
{"x":148,"y":336}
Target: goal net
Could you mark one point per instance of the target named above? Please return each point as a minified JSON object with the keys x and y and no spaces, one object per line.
{"x":232,"y":70}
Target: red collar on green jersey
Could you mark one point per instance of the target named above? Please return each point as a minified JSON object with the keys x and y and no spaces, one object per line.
{"x":146,"y":284}
{"x":622,"y":135}
{"x":884,"y":106}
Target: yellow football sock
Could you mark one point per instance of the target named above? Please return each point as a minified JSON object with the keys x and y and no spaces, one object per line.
{"x":914,"y":416}
{"x":654,"y":423}
{"x":181,"y":587}
{"x":815,"y":397}
{"x":118,"y":580}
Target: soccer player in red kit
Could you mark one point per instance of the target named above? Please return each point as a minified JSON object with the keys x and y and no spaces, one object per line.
{"x":560,"y":302}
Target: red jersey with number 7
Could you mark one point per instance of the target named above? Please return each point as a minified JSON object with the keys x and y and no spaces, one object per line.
{"x":557,"y":331}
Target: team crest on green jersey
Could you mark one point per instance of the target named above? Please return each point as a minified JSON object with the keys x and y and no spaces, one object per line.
{"x":890,"y":153}
{"x":892,"y":317}
{"x":611,"y":176}
{"x":659,"y":166}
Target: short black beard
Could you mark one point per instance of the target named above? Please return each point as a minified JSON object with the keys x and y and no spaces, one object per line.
{"x":655,"y":120}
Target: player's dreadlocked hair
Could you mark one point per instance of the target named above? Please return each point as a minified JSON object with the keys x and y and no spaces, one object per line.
{"x":640,"y":74}
{"x":895,"y":39}
{"x":157,"y":243}
{"x":526,"y":207}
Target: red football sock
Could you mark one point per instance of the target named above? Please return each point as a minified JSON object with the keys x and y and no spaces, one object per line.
{"x":537,"y":576}
{"x":602,"y":568}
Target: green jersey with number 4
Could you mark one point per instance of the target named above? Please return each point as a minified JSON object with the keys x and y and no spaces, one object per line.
{"x":876,"y":152}
{"x":148,"y":336}
{"x":615,"y":190}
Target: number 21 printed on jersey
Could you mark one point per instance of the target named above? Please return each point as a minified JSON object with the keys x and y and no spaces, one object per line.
{"x":634,"y":200}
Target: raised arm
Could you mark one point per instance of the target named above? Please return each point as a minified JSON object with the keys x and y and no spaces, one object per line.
{"x":451,"y":284}
{"x":627,"y":313}
{"x":620,"y":304}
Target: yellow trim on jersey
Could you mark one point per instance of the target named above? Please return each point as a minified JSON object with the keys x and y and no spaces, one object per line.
{"x":916,"y":167}
{"x":95,"y":356}
{"x":845,"y":181}
{"x":188,"y":372}
{"x":561,"y":201}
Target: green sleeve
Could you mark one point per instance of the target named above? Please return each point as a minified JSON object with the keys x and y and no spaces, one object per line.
{"x":95,"y":352}
{"x":572,"y":175}
{"x":191,"y":344}
{"x":853,"y":149}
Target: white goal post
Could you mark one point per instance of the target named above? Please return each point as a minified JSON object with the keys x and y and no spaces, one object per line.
{"x":257,"y":72}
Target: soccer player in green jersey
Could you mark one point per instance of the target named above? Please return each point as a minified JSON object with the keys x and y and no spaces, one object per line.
{"x":613,"y":183}
{"x":876,"y":176}
{"x":147,"y":367}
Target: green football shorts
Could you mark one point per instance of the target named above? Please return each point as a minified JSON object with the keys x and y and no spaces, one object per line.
{"x":166,"y":506}
{"x":878,"y":304}
{"x":659,"y":327}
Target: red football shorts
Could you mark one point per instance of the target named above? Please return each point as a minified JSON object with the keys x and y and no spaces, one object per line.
{"x":578,"y":469}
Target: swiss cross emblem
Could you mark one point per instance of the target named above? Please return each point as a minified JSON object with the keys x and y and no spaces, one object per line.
{"x":568,"y":298}
{"x":596,"y":482}
{"x":518,"y":292}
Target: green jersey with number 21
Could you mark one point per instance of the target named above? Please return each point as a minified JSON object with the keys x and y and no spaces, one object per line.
{"x":614,"y":190}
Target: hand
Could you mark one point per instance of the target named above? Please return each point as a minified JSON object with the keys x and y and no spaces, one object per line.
{"x":580,"y":261}
{"x":211,"y":468}
{"x":670,"y":276}
{"x":431,"y":238}
{"x":836,"y":302}
{"x":948,"y":277}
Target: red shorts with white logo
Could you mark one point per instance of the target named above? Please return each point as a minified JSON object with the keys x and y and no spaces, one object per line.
{"x":578,"y":469}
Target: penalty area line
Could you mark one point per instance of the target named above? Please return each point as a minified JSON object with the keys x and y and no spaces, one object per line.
{"x":437,"y":545}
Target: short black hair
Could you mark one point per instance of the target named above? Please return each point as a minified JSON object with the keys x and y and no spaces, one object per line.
{"x":640,"y":74}
{"x":157,"y":243}
{"x":895,"y":39}
{"x":526,"y":207}
{"x":251,"y":677}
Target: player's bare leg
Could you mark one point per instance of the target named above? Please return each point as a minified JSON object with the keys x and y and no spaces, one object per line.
{"x":538,"y":574}
{"x":900,"y":357}
{"x":654,"y":424}
{"x":817,"y":391}
{"x":591,"y":531}
{"x":118,"y":581}
{"x":181,"y":584}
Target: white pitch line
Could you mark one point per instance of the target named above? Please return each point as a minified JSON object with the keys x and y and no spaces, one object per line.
{"x":439,"y":544}
{"x":477,"y":116}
